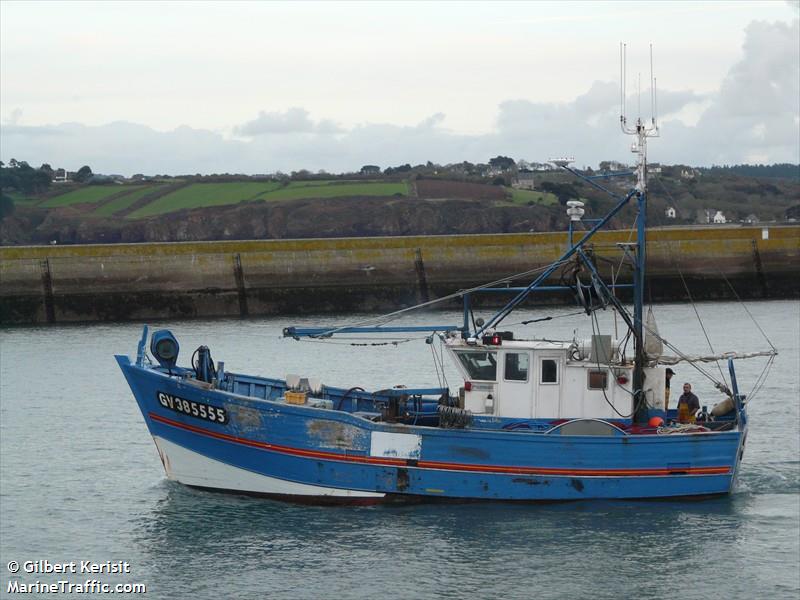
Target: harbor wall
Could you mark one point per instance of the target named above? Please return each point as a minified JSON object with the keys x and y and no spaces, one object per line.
{"x":56,"y":284}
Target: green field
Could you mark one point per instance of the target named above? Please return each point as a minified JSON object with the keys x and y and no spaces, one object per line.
{"x":526,"y":196}
{"x":123,"y":202}
{"x":198,"y":195}
{"x":336,"y":189}
{"x":205,"y":194}
{"x":85,"y":195}
{"x":215,"y":194}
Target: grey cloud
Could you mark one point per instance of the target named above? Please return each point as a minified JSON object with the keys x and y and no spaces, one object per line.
{"x":293,"y":120}
{"x":18,"y":131}
{"x":432,"y":121}
{"x":123,"y":147}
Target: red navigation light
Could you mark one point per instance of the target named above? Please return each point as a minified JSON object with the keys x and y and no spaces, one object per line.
{"x":493,"y":340}
{"x":467,"y":386}
{"x":622,"y":379}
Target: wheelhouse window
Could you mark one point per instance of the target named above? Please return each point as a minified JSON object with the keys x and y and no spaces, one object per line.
{"x":479,"y":365}
{"x":517,"y":366}
{"x":598,"y":380}
{"x":549,"y":371}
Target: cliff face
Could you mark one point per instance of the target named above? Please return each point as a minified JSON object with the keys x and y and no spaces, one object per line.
{"x":337,"y":217}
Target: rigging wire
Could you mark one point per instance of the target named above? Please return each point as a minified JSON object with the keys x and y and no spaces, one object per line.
{"x":436,"y":364}
{"x":699,"y":320}
{"x":685,"y":357}
{"x":749,"y":314}
{"x":441,"y":363}
{"x":550,"y":318}
{"x":762,"y":378}
{"x":664,"y":188}
{"x":387,"y":318}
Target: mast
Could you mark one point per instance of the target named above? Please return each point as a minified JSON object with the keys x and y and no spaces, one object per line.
{"x":641,"y":131}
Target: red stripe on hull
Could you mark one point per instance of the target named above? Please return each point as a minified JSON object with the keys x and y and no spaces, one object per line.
{"x":427,"y":464}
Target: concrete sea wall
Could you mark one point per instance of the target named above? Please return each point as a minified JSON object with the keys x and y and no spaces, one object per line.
{"x":54,"y":284}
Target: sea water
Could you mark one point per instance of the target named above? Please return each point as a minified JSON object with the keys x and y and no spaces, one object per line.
{"x":81,"y":481}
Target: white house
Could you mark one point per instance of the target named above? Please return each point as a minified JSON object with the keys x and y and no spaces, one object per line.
{"x":719,"y":217}
{"x":670,"y":212}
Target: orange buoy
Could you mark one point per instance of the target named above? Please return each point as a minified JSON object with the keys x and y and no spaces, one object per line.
{"x":656,"y":422}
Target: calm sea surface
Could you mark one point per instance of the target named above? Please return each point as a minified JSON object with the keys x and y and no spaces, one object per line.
{"x":80,"y":479}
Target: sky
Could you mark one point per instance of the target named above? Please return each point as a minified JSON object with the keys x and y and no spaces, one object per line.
{"x":259,"y":87}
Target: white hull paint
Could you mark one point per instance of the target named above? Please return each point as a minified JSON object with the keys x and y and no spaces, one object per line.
{"x":191,"y":468}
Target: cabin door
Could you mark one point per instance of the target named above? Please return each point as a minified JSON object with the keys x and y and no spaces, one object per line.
{"x":548,"y":375}
{"x":514,"y":391}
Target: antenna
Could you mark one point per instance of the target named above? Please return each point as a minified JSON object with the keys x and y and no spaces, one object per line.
{"x":640,"y":130}
{"x":652,"y":90}
{"x":623,"y":83}
{"x":655,"y":101}
{"x":639,"y":97}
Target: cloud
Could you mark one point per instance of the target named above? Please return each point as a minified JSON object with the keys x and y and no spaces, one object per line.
{"x":752,"y":117}
{"x":431,"y":122}
{"x":757,"y":109}
{"x":293,"y":120}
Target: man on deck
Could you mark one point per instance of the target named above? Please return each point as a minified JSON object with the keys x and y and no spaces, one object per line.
{"x":688,"y":405}
{"x":669,"y":374}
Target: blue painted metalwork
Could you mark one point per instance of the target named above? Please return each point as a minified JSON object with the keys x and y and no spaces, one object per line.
{"x":738,"y":398}
{"x":204,"y":366}
{"x":298,"y":332}
{"x":508,"y":308}
{"x":467,"y":309}
{"x":598,"y":281}
{"x":547,"y":288}
{"x":592,"y":182}
{"x":141,"y":347}
{"x":638,"y":299}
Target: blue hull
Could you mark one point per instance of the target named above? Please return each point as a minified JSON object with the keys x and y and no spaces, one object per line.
{"x":314,"y":454}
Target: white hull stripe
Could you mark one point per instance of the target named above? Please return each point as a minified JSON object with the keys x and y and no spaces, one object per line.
{"x":191,"y":468}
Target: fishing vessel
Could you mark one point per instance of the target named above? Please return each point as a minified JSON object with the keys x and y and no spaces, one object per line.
{"x":534,"y":419}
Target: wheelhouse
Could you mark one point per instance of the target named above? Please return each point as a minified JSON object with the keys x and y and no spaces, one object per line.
{"x":533,"y":379}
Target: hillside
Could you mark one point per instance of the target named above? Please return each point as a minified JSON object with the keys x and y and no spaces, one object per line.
{"x":228,"y":207}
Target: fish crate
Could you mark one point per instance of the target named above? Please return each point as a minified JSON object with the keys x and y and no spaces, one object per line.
{"x":295,"y":397}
